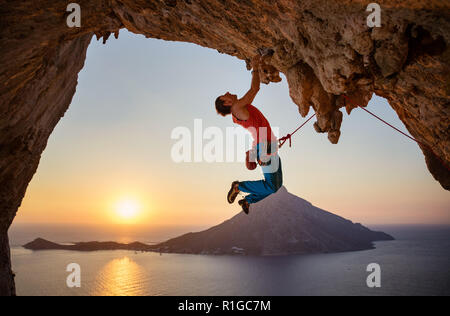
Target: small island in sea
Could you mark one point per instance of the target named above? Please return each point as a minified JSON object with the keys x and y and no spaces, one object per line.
{"x":283,"y":224}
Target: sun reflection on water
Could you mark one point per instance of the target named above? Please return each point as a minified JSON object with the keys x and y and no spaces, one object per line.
{"x":120,"y":277}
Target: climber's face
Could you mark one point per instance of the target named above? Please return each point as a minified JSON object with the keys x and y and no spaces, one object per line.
{"x":229,"y":99}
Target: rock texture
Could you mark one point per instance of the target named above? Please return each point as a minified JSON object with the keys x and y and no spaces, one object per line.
{"x":324,"y":47}
{"x":282,"y":224}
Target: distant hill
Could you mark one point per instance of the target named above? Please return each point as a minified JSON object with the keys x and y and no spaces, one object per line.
{"x":282,"y":224}
{"x":42,"y":244}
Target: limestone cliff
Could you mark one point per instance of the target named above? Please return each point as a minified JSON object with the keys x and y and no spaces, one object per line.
{"x":324,"y":47}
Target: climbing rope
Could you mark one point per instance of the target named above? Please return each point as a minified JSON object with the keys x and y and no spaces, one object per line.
{"x":412,"y":138}
{"x":284,"y":139}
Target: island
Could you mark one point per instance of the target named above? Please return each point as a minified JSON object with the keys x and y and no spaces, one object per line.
{"x":282,"y":224}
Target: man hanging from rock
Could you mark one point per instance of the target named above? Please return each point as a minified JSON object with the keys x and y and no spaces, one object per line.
{"x":265,"y":144}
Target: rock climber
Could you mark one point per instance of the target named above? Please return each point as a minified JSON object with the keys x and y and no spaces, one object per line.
{"x":265,"y":144}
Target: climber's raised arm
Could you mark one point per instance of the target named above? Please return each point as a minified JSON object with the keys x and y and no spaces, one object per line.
{"x":256,"y":83}
{"x":230,"y":103}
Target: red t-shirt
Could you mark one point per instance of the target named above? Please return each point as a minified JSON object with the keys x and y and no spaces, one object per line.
{"x":257,"y":125}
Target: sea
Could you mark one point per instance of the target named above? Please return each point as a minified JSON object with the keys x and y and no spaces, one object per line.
{"x":416,"y":263}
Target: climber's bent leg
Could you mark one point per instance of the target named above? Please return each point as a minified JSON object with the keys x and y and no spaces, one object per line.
{"x":255,"y":198}
{"x":261,"y":189}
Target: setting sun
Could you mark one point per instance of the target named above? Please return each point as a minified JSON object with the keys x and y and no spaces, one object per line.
{"x":127,"y":209}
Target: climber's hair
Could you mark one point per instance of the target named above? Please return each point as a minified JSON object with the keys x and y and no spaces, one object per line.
{"x":221,"y":108}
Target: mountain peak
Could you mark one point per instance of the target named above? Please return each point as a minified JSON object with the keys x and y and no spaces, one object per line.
{"x":281,"y":224}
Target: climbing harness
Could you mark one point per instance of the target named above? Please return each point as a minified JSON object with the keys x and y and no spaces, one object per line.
{"x":283,"y":140}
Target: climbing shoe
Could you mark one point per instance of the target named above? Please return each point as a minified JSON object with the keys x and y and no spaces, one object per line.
{"x":245,"y":206}
{"x":233,"y":193}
